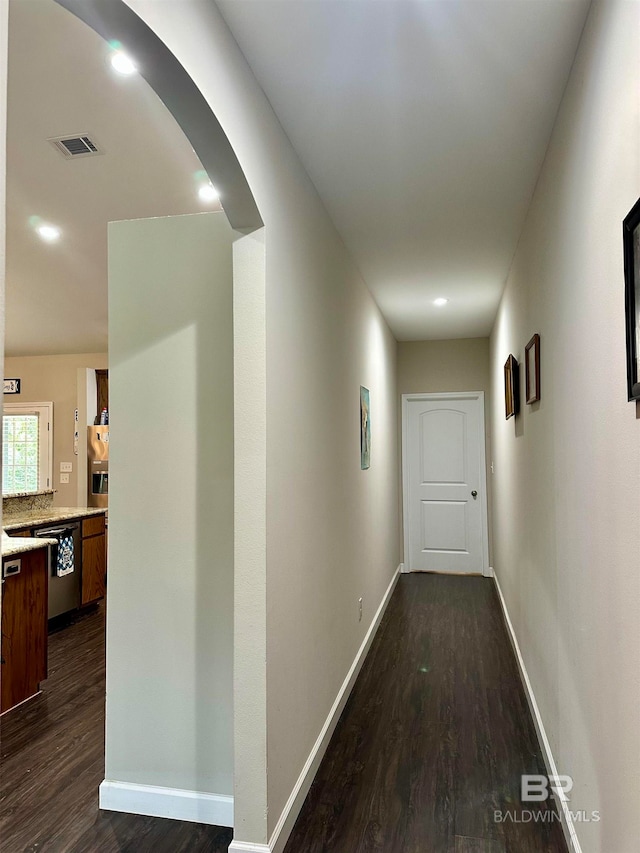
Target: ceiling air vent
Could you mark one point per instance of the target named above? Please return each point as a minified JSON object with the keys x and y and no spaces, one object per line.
{"x":81,"y":145}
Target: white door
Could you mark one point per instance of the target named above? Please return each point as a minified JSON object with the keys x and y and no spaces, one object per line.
{"x":445,"y":513}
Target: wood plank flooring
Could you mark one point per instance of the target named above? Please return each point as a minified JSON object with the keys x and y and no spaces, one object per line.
{"x":52,"y":762}
{"x":434,"y":737}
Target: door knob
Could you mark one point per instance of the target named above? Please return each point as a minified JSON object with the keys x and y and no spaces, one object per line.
{"x":474,"y":494}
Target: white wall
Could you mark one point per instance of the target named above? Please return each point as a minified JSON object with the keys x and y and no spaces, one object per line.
{"x":567,"y":481}
{"x":250,"y":518}
{"x":170,"y":594}
{"x":441,"y":366}
{"x":331,"y":529}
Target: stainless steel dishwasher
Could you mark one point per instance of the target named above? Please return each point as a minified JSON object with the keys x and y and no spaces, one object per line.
{"x":64,"y":592}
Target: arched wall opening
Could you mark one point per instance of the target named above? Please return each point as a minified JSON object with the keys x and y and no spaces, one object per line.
{"x":326,"y":338}
{"x":116,"y":22}
{"x":170,"y":644}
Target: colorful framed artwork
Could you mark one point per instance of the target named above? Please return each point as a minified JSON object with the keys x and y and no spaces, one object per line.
{"x":365,"y":429}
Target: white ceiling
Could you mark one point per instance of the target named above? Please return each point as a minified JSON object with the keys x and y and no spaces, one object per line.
{"x":423,"y":124}
{"x":60,"y":82}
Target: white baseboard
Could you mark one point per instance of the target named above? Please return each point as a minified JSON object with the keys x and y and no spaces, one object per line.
{"x":402,"y":569}
{"x":568,"y":826}
{"x":246,"y":847}
{"x":301,"y":789}
{"x":175,"y":803}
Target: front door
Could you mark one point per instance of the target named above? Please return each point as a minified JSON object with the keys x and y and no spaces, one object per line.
{"x":445,"y":485}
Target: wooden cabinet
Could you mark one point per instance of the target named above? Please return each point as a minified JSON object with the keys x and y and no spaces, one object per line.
{"x":24,"y":628}
{"x":94,"y":559}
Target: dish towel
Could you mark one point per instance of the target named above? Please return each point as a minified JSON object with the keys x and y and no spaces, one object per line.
{"x":65,"y":561}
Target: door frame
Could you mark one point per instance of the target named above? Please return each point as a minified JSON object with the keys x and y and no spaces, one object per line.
{"x":450,"y":396}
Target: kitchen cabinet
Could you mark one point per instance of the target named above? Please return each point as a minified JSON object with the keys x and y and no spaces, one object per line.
{"x":94,"y":559}
{"x":21,"y":533}
{"x":24,"y":628}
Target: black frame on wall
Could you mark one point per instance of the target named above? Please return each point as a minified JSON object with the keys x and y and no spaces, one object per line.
{"x":511,"y":387}
{"x":631,"y":249}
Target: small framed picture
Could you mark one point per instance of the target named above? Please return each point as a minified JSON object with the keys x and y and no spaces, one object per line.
{"x":532,"y":369}
{"x":511,"y":387}
{"x":631,"y":249}
{"x":11,"y":386}
{"x":365,"y":428}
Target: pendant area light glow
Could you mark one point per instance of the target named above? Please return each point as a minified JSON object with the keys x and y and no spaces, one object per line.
{"x":48,"y":233}
{"x":208,"y":192}
{"x":123,"y":64}
{"x":440,"y":301}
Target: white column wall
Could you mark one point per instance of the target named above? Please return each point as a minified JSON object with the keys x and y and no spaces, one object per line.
{"x":170,"y":589}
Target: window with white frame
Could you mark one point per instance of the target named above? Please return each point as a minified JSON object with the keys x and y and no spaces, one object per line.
{"x":26,"y":447}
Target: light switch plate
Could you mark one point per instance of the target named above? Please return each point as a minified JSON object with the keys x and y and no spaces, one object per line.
{"x":66,"y":467}
{"x":11,"y":567}
{"x":64,"y":478}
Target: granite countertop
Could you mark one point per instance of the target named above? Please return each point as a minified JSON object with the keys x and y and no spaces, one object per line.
{"x":28,"y":494}
{"x":20,"y":544}
{"x":50,"y":515}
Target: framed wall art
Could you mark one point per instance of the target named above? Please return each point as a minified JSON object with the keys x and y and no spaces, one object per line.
{"x":532,"y":369}
{"x":631,"y":249}
{"x":365,"y":429}
{"x":511,"y":387}
{"x":11,"y":386}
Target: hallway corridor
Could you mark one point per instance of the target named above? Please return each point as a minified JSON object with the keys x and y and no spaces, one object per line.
{"x":434,"y":737}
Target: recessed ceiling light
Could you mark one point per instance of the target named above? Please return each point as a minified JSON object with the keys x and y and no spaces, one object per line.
{"x":440,"y":301}
{"x":48,"y":233}
{"x":208,"y":192}
{"x":122,"y":63}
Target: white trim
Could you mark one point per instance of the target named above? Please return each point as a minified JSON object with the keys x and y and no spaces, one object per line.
{"x":456,"y":395}
{"x":402,"y":569}
{"x":24,"y":701}
{"x":565,"y":815}
{"x":301,"y":788}
{"x":248,"y":847}
{"x":174,"y":803}
{"x":44,"y":412}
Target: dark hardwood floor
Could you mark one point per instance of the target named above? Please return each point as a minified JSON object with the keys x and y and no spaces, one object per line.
{"x":52,"y":762}
{"x":433,"y":740}
{"x":434,"y":737}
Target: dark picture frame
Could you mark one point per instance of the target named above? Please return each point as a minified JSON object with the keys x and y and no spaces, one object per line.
{"x":511,"y":387}
{"x":631,"y":250}
{"x":11,"y":386}
{"x":532,"y":369}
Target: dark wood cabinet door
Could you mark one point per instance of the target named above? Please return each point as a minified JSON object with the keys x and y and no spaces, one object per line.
{"x":94,"y":567}
{"x":24,"y":629}
{"x":93,"y":526}
{"x":102,"y":386}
